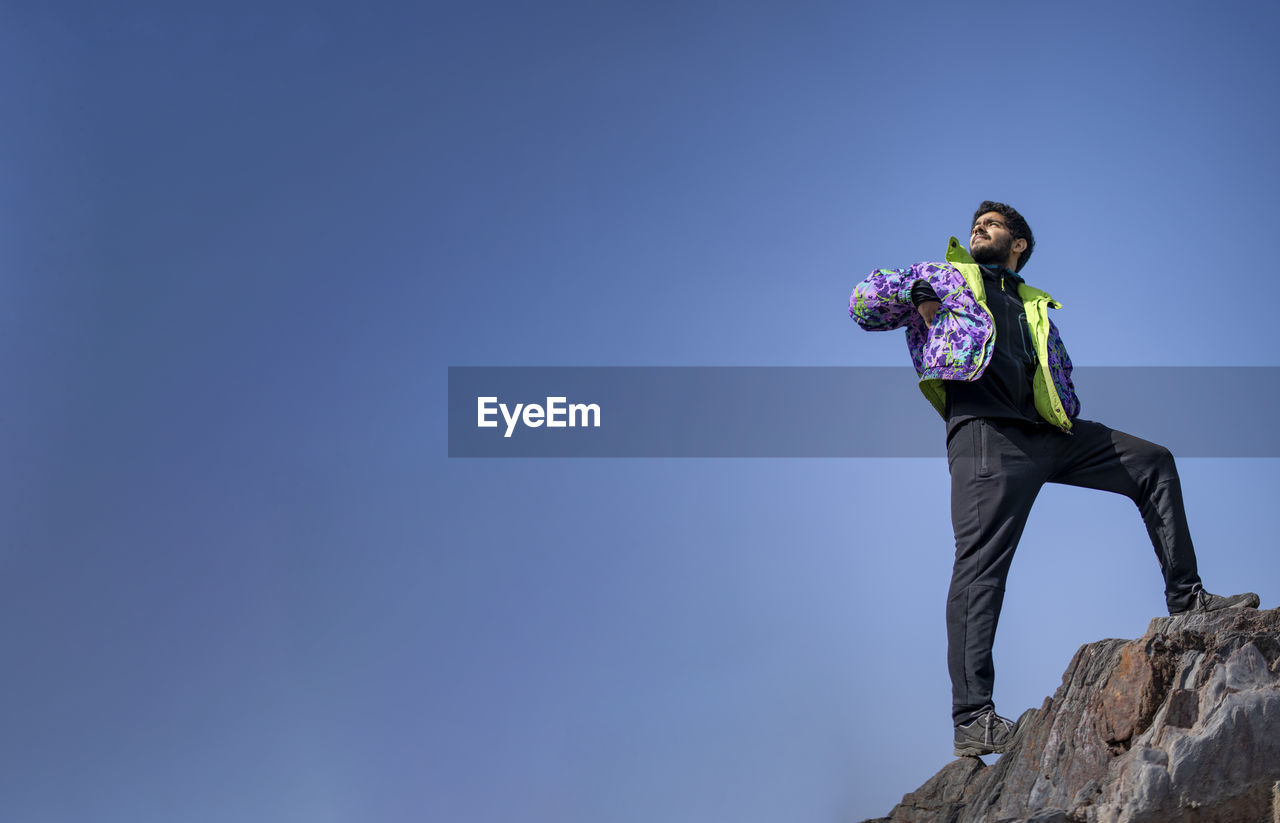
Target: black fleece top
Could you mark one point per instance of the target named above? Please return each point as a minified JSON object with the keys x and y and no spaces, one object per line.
{"x":1003,"y":392}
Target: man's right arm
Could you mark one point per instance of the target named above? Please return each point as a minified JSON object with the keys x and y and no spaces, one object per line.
{"x":891,"y":298}
{"x":926,"y":301}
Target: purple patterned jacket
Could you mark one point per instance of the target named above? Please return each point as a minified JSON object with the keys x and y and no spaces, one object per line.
{"x":959,"y":345}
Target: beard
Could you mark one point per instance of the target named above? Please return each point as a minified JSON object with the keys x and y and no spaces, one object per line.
{"x":993,"y":252}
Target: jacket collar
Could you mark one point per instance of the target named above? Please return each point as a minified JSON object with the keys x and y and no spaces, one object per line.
{"x":997,"y":271}
{"x":958,"y":256}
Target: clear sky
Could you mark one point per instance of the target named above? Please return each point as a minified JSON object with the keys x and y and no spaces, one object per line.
{"x":242,"y":581}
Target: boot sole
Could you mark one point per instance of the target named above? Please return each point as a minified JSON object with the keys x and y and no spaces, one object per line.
{"x":1248,"y":603}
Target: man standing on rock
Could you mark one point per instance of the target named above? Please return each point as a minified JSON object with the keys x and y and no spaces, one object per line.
{"x":991,"y":362}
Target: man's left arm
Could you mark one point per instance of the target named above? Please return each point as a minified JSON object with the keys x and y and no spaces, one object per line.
{"x":1060,"y":368}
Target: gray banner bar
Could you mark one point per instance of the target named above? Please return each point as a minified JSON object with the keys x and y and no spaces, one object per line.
{"x":759,"y":411}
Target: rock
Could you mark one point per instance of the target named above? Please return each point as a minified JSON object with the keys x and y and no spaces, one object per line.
{"x":941,"y":796}
{"x":1179,"y":726}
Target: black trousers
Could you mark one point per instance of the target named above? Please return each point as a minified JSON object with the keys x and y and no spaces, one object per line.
{"x":997,"y":469}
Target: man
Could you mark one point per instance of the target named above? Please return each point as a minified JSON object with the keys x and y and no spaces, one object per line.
{"x":991,"y":362}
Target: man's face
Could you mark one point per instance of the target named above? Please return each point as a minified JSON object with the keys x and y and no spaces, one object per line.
{"x":991,"y":242}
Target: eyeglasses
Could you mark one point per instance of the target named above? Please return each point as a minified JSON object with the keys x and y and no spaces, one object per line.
{"x":988,"y":223}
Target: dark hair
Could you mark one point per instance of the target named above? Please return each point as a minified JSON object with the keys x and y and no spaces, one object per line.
{"x":1017,"y":227}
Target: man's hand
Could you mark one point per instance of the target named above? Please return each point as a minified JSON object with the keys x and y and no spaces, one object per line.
{"x":927,"y":310}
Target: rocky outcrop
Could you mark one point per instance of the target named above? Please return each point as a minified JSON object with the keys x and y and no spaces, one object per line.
{"x":1179,"y":726}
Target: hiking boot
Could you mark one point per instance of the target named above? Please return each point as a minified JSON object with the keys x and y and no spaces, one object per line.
{"x":989,"y":733}
{"x":1202,"y":601}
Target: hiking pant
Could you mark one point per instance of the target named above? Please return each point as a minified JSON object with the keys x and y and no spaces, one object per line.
{"x":997,"y":469}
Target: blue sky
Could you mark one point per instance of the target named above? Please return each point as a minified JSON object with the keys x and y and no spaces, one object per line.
{"x":242,"y":580}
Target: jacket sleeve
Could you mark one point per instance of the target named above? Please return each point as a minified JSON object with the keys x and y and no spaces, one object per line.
{"x":882,"y":302}
{"x":1060,"y":368}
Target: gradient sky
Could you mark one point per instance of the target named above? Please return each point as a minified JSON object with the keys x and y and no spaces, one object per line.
{"x":243,"y":242}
